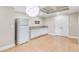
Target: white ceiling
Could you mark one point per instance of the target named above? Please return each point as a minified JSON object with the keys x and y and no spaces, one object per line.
{"x":72,"y":9}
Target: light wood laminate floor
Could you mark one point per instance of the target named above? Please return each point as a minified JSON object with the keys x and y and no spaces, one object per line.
{"x":48,"y":43}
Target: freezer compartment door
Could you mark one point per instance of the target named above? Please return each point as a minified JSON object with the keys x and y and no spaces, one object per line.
{"x":22,"y":22}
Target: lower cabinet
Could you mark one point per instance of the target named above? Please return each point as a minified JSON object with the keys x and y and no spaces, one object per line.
{"x":38,"y":31}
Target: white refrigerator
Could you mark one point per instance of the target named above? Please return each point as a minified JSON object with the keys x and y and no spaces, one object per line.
{"x":22,"y":30}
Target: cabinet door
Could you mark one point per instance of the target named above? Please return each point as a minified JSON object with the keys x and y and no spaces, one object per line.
{"x":34,"y":33}
{"x":43,"y":31}
{"x":38,"y":32}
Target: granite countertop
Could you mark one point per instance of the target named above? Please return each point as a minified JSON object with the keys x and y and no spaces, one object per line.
{"x":37,"y":27}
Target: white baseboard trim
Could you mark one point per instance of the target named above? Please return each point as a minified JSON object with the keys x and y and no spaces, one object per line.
{"x":6,"y":47}
{"x":51,"y":34}
{"x":66,"y":36}
{"x":73,"y":37}
{"x":55,"y":34}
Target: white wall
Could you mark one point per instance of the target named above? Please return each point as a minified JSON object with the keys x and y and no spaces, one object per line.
{"x":6,"y":26}
{"x":20,"y":15}
{"x":32,"y":21}
{"x":73,"y":24}
{"x":61,"y":25}
{"x":78,"y":24}
{"x":49,"y":21}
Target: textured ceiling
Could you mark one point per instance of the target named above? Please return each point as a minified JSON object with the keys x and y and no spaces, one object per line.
{"x":52,"y":9}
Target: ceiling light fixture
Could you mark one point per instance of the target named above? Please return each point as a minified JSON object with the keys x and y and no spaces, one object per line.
{"x":32,"y":11}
